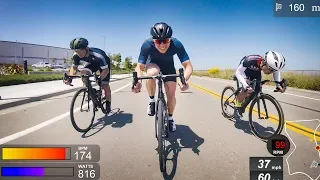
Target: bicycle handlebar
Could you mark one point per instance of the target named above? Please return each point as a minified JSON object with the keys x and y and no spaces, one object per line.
{"x":283,"y":83}
{"x":70,"y":77}
{"x":159,"y":77}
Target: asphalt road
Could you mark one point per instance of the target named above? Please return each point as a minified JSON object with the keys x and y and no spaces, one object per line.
{"x":205,"y":146}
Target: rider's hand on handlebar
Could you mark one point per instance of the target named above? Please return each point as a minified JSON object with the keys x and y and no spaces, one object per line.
{"x":280,"y":89}
{"x":183,"y":87}
{"x":137,"y":87}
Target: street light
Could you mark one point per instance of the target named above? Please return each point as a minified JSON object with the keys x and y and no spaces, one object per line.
{"x":104,"y":43}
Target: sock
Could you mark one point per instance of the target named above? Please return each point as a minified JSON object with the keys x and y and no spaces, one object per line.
{"x":170,"y":117}
{"x":151,"y":98}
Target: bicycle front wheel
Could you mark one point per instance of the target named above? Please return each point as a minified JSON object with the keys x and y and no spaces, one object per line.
{"x":86,"y":106}
{"x":161,"y":134}
{"x":263,"y":112}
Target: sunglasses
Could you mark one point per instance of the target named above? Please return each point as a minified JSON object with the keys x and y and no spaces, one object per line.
{"x":165,"y":41}
{"x":78,"y":50}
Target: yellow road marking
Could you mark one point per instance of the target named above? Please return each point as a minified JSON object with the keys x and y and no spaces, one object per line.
{"x":290,"y":125}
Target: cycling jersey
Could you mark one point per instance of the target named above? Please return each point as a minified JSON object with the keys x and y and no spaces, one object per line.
{"x":96,"y":61}
{"x":249,"y":68}
{"x":149,"y":54}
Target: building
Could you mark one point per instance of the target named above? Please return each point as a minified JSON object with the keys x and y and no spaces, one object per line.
{"x":16,"y":52}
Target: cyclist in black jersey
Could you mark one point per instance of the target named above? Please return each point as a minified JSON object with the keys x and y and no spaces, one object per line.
{"x":250,"y":68}
{"x":96,"y":60}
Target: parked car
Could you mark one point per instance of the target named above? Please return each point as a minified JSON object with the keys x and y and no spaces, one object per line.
{"x":59,"y":66}
{"x":42,"y":65}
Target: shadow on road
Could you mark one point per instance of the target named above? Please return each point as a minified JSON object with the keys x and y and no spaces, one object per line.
{"x":244,"y":125}
{"x":116,"y":118}
{"x":186,"y":92}
{"x":188,"y":140}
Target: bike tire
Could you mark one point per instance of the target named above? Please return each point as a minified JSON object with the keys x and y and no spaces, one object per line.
{"x":226,"y":114}
{"x":74,"y":124}
{"x":161,"y":139}
{"x":280,"y":119}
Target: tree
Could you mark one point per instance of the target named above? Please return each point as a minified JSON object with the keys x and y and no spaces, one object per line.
{"x":116,"y":60}
{"x":54,"y":60}
{"x":64,"y":61}
{"x":128,"y":63}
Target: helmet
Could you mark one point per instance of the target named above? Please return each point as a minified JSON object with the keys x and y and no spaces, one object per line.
{"x":274,"y":60}
{"x":161,"y":31}
{"x":79,"y":43}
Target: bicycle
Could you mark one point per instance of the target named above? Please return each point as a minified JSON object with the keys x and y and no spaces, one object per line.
{"x":94,"y":95}
{"x":161,"y":113}
{"x":254,"y":98}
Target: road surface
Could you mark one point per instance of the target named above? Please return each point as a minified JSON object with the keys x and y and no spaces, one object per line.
{"x":205,"y":146}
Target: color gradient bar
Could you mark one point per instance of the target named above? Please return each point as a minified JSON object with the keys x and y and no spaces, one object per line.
{"x":34,"y":153}
{"x":22,"y":171}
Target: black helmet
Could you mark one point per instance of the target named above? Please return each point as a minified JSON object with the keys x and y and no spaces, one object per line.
{"x":161,"y":31}
{"x":79,"y":43}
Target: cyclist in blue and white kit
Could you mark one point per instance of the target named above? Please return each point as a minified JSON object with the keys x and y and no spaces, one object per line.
{"x":250,"y":68}
{"x":156,"y":55}
{"x":96,"y":60}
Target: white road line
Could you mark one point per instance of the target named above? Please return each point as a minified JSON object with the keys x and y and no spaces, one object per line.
{"x":46,"y":123}
{"x":263,"y":89}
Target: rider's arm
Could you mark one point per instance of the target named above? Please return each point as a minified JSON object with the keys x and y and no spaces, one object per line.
{"x":143,"y":57}
{"x":240,"y":75}
{"x":276,"y":77}
{"x":104,"y":65}
{"x":76,"y":63}
{"x":184,"y":58}
{"x":188,"y":69}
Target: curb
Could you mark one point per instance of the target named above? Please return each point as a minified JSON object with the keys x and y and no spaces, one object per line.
{"x":46,"y":96}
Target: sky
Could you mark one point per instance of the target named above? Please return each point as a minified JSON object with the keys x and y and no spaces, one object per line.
{"x":216,"y":33}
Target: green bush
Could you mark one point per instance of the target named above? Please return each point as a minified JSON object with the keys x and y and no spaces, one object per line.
{"x":41,"y":69}
{"x":23,"y":79}
{"x":48,"y":69}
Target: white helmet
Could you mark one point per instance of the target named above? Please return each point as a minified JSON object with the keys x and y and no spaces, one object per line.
{"x":274,"y":60}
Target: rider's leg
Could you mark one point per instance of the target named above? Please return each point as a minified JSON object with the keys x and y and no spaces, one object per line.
{"x":170,"y":87}
{"x":152,"y":70}
{"x":107,"y":91}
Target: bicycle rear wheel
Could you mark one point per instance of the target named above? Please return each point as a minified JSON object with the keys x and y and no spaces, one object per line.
{"x":85,"y":104}
{"x":279,"y":119}
{"x":228,"y":100}
{"x":161,"y":134}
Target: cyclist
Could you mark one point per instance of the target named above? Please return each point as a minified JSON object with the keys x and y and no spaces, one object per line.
{"x":156,"y":54}
{"x":96,"y":60}
{"x":250,"y":68}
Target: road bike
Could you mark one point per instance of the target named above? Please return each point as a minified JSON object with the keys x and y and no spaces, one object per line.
{"x":161,"y":114}
{"x":254,"y":98}
{"x":94,"y":97}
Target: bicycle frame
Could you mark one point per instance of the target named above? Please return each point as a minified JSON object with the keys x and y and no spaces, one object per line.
{"x":92,"y":91}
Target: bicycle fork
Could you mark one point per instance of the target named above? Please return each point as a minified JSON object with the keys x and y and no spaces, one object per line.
{"x":264,"y":105}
